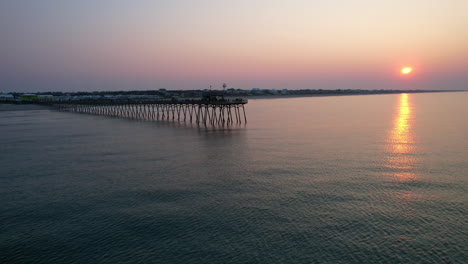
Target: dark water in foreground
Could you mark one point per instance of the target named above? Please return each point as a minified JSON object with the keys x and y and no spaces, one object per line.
{"x":355,"y":179}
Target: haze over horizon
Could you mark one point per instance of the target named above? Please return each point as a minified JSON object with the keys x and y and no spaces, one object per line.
{"x":86,"y":45}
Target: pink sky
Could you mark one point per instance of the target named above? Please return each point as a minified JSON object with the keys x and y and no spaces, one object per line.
{"x":297,"y":44}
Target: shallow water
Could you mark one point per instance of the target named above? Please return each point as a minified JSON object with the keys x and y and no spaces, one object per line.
{"x":348,"y":179}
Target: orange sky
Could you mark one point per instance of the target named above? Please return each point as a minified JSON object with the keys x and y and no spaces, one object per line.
{"x":273,"y":44}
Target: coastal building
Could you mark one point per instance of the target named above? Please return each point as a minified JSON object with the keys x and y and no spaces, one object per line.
{"x":6,"y":97}
{"x":46,"y":96}
{"x":256,"y":91}
{"x":273,"y":91}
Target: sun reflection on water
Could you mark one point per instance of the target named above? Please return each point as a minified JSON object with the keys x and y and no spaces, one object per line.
{"x":400,"y":143}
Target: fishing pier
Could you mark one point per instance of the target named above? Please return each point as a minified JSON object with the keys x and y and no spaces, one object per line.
{"x":205,"y":111}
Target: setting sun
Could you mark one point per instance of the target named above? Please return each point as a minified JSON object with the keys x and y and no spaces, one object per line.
{"x":406,"y":70}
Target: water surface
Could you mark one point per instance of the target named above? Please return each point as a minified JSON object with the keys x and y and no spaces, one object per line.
{"x":348,"y":179}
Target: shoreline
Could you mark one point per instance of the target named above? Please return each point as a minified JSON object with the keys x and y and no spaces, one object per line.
{"x":286,"y":96}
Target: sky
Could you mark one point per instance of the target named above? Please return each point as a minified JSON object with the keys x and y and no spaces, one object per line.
{"x":89,"y":45}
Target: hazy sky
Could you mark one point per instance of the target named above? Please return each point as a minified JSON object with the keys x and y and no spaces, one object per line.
{"x":71,"y":45}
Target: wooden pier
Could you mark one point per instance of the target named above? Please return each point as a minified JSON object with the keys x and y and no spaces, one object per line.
{"x":205,"y":111}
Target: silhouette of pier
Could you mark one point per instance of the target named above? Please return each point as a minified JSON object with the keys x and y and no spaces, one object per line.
{"x":206,"y":111}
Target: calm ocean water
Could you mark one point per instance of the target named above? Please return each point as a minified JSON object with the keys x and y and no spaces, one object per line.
{"x":352,"y":179}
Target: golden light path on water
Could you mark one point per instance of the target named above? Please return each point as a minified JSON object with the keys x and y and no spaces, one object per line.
{"x":400,"y":143}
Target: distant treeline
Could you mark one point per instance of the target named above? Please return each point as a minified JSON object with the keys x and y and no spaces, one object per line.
{"x":231,"y":91}
{"x":101,"y":93}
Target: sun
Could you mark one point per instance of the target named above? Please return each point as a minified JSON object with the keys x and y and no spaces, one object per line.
{"x":406,"y":70}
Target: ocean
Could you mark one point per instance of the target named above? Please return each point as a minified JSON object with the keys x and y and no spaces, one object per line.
{"x":338,"y":179}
